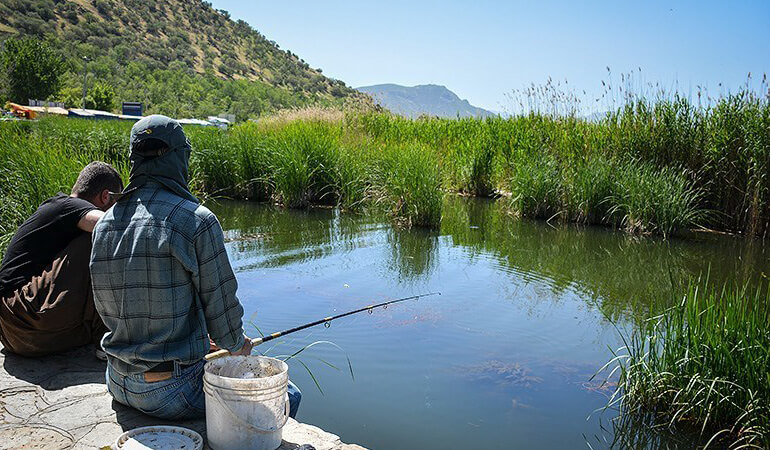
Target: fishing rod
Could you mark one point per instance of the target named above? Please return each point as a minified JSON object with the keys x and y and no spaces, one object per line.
{"x":325,"y":320}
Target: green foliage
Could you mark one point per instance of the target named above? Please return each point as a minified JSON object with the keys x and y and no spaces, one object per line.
{"x":181,"y":58}
{"x":102,"y":96}
{"x":180,"y":93}
{"x":629,"y":170}
{"x":651,"y":167}
{"x":701,"y":367}
{"x":308,"y":161}
{"x":409,"y":183}
{"x":536,"y":186}
{"x":304,"y":169}
{"x":31,"y":68}
{"x":38,"y":160}
{"x":646,"y":199}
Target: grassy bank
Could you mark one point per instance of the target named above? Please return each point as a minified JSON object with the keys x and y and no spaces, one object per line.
{"x":702,"y":368}
{"x":648,"y":167}
{"x":300,"y":161}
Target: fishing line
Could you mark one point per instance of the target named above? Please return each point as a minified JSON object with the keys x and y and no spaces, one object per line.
{"x":326,"y":321}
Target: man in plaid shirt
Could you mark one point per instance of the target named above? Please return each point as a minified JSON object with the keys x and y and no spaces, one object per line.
{"x":162,"y":282}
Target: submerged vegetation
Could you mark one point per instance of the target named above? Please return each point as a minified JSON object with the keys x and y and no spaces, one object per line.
{"x":701,"y":367}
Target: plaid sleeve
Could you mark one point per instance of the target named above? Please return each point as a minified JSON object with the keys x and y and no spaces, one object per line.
{"x":217,"y":286}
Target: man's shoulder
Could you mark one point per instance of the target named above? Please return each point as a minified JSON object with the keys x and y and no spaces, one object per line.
{"x":178,"y":210}
{"x":57,"y":209}
{"x":187,"y":208}
{"x":61,"y":201}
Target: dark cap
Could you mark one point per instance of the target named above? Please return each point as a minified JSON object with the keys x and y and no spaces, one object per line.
{"x":158,"y":128}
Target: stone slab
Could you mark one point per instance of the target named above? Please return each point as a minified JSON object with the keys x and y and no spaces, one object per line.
{"x":61,"y":402}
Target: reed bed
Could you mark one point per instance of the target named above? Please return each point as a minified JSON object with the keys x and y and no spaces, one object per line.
{"x":700,"y":368}
{"x":310,"y":160}
{"x":647,"y":167}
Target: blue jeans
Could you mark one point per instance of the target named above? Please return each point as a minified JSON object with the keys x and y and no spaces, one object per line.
{"x":180,"y":397}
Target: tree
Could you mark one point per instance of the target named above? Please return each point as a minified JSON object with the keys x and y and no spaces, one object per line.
{"x":102,"y":95}
{"x":32,"y":69}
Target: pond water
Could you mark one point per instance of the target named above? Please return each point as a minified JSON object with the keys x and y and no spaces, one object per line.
{"x":503,"y":358}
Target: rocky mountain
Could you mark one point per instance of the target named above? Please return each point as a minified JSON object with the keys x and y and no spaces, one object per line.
{"x":427,"y":99}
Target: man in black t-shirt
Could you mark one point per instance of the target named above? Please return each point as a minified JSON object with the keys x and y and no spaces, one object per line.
{"x":46,"y":301}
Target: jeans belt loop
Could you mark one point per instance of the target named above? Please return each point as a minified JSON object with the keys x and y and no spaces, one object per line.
{"x":177,"y":369}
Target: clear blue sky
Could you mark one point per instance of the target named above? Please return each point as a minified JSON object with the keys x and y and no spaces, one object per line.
{"x":484,"y":49}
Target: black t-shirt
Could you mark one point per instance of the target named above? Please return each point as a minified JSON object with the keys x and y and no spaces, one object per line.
{"x":40,"y":238}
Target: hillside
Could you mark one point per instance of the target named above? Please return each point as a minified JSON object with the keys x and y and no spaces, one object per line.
{"x":427,"y":99}
{"x":135,"y":44}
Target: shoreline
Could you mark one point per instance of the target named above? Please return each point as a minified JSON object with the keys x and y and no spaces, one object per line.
{"x":61,"y":402}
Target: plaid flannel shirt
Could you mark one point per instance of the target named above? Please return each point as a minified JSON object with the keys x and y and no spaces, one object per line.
{"x":162,"y":282}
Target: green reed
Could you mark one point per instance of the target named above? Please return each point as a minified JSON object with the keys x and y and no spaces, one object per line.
{"x":701,"y":367}
{"x":297,"y":163}
{"x":649,"y":166}
{"x":36,"y":162}
{"x":408,"y":184}
{"x":661,"y":166}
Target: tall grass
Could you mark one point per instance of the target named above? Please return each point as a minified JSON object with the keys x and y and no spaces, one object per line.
{"x":409,"y":184}
{"x":650,"y":166}
{"x":305,"y":159}
{"x":36,"y":162}
{"x":315,"y":159}
{"x":312,"y":159}
{"x":702,"y":368}
{"x":660,"y":165}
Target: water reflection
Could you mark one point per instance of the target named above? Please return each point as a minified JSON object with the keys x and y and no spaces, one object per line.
{"x":262,"y":236}
{"x":619,"y":273}
{"x":622,"y":273}
{"x":415,"y":253}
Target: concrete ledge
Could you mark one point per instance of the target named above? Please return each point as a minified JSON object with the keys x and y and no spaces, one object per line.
{"x":61,"y":402}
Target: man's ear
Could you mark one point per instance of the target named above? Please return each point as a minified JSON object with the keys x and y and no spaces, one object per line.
{"x":104,"y":198}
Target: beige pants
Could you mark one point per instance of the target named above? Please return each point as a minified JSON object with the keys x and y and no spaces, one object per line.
{"x":54,"y":311}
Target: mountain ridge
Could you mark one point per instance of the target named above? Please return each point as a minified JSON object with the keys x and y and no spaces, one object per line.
{"x":424,"y":99}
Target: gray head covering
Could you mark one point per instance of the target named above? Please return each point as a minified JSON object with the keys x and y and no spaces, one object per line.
{"x":169,"y":165}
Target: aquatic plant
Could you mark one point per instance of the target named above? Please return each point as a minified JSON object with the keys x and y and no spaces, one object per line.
{"x":588,"y":189}
{"x":216,"y":164}
{"x":408,"y":184}
{"x":645,"y":199}
{"x":304,"y":158}
{"x":701,"y":367}
{"x":649,"y":166}
{"x":536,"y":185}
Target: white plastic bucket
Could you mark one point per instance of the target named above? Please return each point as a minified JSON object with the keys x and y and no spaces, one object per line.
{"x":247,"y":402}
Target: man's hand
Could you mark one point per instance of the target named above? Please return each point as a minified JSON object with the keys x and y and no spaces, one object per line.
{"x":246,"y":349}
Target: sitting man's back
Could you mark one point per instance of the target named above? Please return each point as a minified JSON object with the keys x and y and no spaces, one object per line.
{"x":46,"y":304}
{"x":162,"y":281}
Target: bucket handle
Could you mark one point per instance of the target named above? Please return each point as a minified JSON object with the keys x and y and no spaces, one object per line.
{"x":248,"y":425}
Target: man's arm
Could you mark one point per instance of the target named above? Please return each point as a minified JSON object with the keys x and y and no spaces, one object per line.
{"x":88,"y":221}
{"x":217,"y":286}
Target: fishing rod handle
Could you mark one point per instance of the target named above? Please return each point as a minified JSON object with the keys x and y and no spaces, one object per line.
{"x":216,"y":354}
{"x":221,"y":353}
